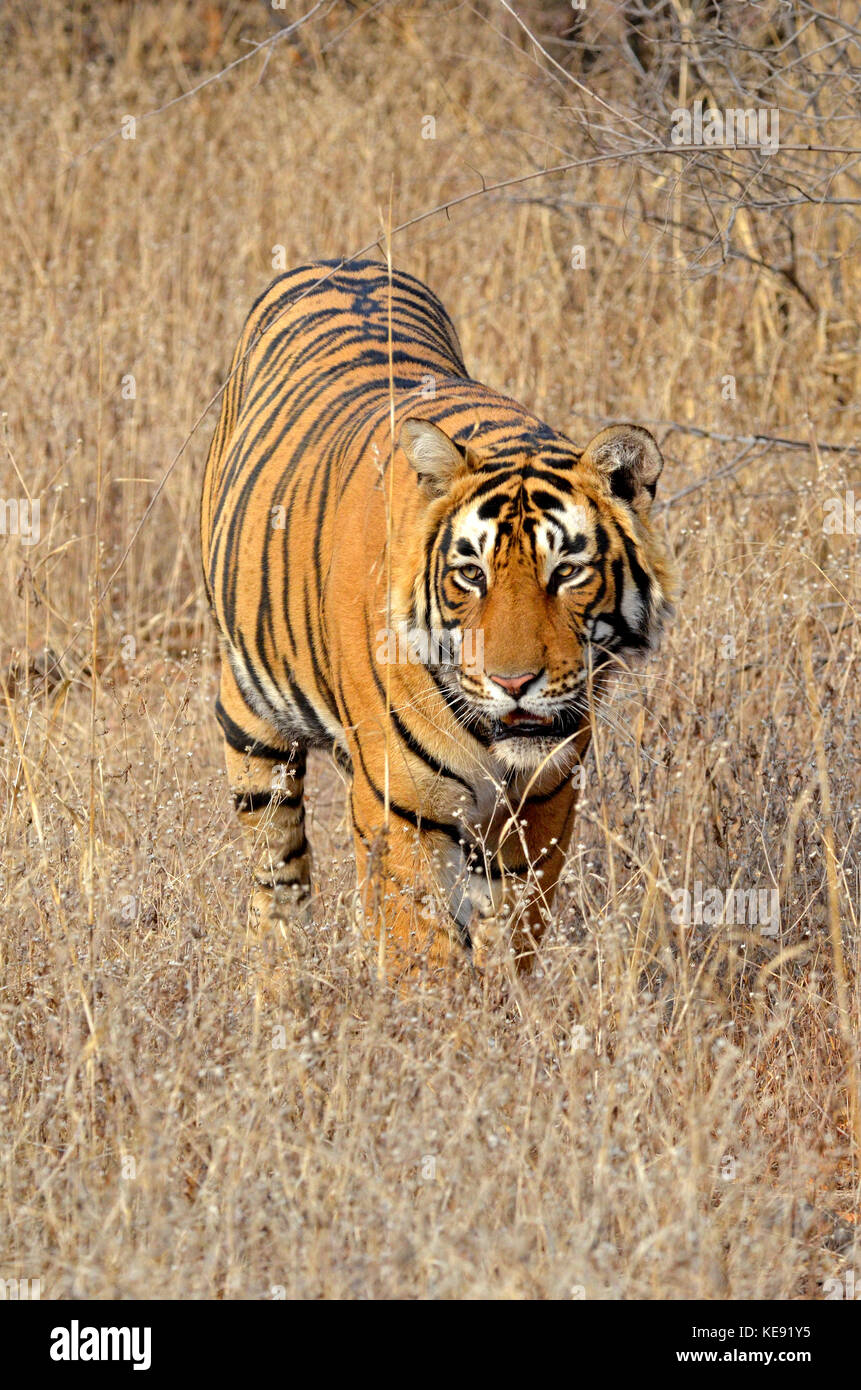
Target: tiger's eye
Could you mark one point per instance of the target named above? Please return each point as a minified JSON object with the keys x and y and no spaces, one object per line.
{"x":565,"y":571}
{"x":474,"y":573}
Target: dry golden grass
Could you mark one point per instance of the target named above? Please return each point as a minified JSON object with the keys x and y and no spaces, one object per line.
{"x":662,"y":1111}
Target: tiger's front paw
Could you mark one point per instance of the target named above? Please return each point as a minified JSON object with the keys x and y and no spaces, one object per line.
{"x":489,"y":941}
{"x":279,"y":910}
{"x":497,"y":941}
{"x":278,"y":922}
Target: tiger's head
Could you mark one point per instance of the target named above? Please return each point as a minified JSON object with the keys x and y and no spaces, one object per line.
{"x":541,"y":563}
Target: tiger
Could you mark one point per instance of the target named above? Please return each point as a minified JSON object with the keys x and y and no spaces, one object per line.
{"x":414,"y":572}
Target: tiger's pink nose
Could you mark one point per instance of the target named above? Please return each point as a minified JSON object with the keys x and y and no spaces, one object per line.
{"x":515,"y":685}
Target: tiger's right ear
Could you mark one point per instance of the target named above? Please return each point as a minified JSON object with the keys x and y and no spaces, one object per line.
{"x":435,"y":458}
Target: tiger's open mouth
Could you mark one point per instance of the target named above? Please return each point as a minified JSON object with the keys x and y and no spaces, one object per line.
{"x":524,"y":724}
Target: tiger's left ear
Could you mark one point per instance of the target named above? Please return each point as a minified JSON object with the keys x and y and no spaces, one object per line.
{"x":629,"y":460}
{"x":436,"y":458}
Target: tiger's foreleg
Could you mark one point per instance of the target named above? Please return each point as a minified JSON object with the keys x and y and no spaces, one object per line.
{"x":403,"y":896}
{"x":526,"y":865}
{"x":266,"y":775}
